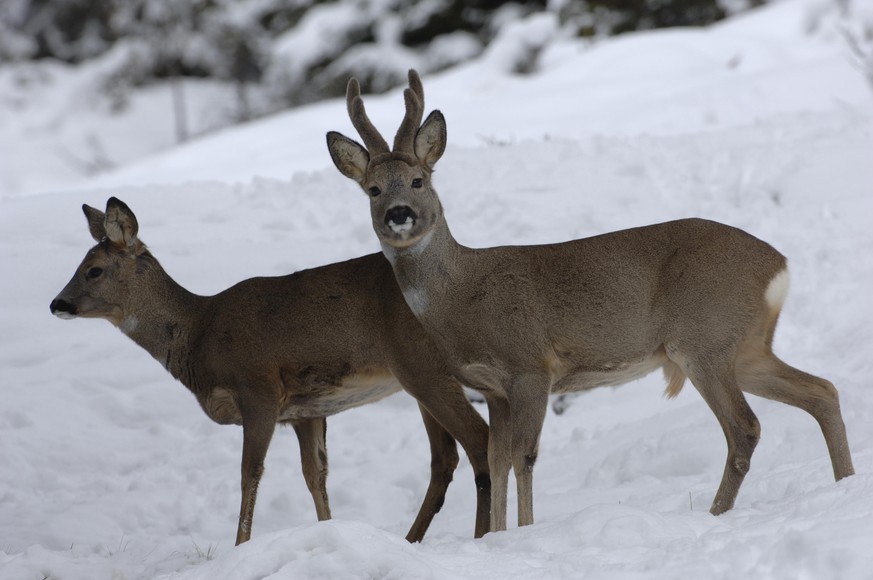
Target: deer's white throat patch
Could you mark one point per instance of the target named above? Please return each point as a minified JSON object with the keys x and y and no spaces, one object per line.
{"x":129,"y":324}
{"x":416,"y":298}
{"x":415,"y":249}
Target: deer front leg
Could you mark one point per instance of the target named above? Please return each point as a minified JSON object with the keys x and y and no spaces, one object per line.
{"x":257,"y":432}
{"x":499,"y":457}
{"x":443,"y":398}
{"x":443,"y":461}
{"x":446,"y":403}
{"x":468,"y":427}
{"x":528,"y":404}
{"x":311,"y":435}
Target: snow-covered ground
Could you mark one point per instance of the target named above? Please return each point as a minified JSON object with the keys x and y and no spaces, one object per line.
{"x":111,"y":470}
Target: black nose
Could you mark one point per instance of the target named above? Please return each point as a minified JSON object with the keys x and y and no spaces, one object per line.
{"x":59,"y":305}
{"x":399,"y":214}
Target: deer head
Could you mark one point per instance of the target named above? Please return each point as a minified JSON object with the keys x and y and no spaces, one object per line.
{"x":102,"y":284}
{"x":403,"y":204}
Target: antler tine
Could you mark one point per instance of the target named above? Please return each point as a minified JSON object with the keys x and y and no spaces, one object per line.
{"x":414,"y":99}
{"x":353,"y":90}
{"x":417,"y":87}
{"x":373,"y":141}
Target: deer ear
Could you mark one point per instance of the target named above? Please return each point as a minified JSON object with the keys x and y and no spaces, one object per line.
{"x":120,"y":223}
{"x":95,"y":219}
{"x":430,"y":141}
{"x":349,"y":157}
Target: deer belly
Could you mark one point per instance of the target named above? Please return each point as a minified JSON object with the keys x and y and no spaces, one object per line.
{"x":354,"y":391}
{"x":607,"y":374}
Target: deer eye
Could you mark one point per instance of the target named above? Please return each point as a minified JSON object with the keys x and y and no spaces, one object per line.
{"x":93,"y":273}
{"x":374,"y":191}
{"x":416,"y":183}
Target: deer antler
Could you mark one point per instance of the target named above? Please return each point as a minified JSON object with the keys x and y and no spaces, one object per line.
{"x":373,"y":141}
{"x":414,"y":99}
{"x":417,"y":87}
{"x":405,"y":137}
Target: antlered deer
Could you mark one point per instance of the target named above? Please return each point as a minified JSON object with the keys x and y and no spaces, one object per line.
{"x":695,"y":298}
{"x":292,"y":350}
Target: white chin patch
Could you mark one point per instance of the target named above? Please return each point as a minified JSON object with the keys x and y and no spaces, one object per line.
{"x":400,"y":228}
{"x":65,"y":315}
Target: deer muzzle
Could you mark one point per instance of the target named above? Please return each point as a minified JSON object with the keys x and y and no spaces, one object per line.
{"x":400,"y":218}
{"x":62,"y":309}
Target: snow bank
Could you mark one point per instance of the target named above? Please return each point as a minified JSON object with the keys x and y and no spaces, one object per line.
{"x":111,"y":470}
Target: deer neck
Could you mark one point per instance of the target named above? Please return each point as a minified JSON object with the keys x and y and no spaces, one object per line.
{"x":426,"y":270}
{"x":161,"y":318}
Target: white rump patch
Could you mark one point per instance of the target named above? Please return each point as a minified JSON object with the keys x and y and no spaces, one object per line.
{"x":777,"y":290}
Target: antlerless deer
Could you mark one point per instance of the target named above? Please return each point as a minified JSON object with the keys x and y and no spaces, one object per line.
{"x":291,"y":350}
{"x":696,"y":298}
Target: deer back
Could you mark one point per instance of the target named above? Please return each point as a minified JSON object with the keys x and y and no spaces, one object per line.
{"x":322,"y":337}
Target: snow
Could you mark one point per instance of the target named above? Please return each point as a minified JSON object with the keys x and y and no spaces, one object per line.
{"x":304,"y":44}
{"x":517,"y":46}
{"x":111,"y":470}
{"x":56,"y":130}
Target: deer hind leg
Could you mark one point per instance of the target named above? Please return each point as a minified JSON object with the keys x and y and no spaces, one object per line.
{"x":443,"y":461}
{"x":763,"y":374}
{"x":311,"y":435}
{"x":718,"y":386}
{"x":258,"y":430}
